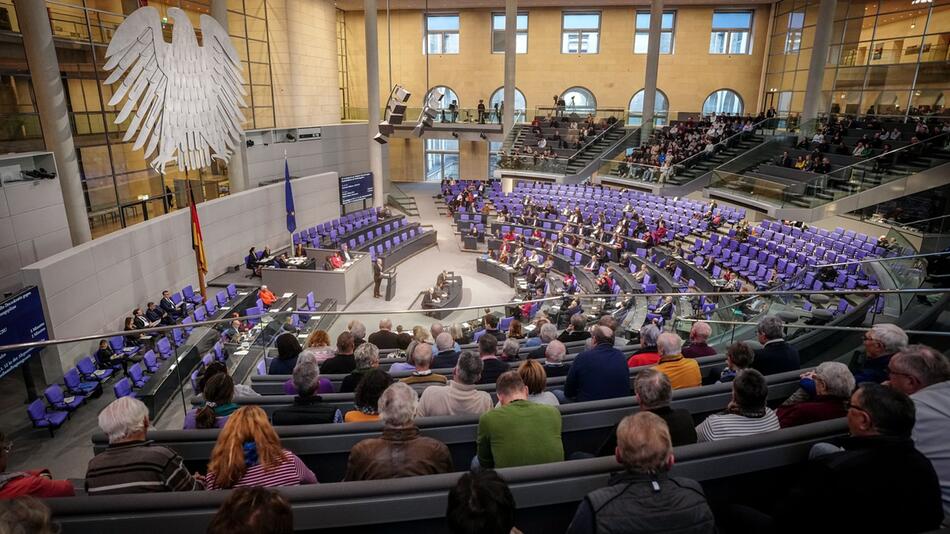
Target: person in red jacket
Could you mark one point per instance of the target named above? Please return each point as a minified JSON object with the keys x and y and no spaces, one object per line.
{"x":35,"y":482}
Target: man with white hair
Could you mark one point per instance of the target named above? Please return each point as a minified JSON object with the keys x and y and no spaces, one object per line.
{"x":444,"y":354}
{"x":546,"y":334}
{"x":358,"y":330}
{"x":401,"y":451}
{"x":307,"y":408}
{"x":683,"y":372}
{"x":385,"y":338}
{"x":367,"y":359}
{"x":422,"y":357}
{"x":776,"y":355}
{"x":131,"y":464}
{"x":698,"y":336}
{"x":599,"y":372}
{"x":881,"y":342}
{"x":436,"y":329}
{"x":833,"y":386}
{"x":554,"y":359}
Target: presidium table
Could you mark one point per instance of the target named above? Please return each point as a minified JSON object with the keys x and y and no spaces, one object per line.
{"x":435,"y":306}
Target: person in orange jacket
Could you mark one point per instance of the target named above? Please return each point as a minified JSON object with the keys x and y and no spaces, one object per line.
{"x":266,"y":296}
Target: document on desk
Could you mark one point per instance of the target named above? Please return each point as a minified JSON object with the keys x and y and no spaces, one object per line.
{"x":240,"y":352}
{"x":287,"y":295}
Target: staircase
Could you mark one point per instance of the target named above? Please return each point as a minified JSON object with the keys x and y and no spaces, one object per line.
{"x":594,"y":151}
{"x":514,"y":139}
{"x":702,"y":166}
{"x":402,"y":202}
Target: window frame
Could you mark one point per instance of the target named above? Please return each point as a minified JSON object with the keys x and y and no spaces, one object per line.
{"x":518,"y":32}
{"x":426,"y":151}
{"x":730,"y":33}
{"x":716,"y":112}
{"x":580,"y":31}
{"x":501,"y":90}
{"x":426,"y":32}
{"x":638,"y":31}
{"x":660,"y":118}
{"x":496,"y":154}
{"x":567,"y":106}
{"x":791,"y":30}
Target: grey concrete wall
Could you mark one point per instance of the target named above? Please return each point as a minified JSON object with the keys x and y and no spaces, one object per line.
{"x":91,"y":288}
{"x":342,"y":149}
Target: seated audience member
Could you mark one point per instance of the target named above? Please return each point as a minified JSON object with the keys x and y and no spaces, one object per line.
{"x":288,"y":349}
{"x":519,"y":432}
{"x":654,"y":392}
{"x":515,"y":330}
{"x":776,"y":355}
{"x":490,"y":323}
{"x":253,"y":511}
{"x":576,"y":330}
{"x":385,"y":338}
{"x":218,"y":393}
{"x":881,"y":342}
{"x":366,"y":358}
{"x":644,"y":498}
{"x":334,"y":261}
{"x":131,"y":339}
{"x":422,"y":374}
{"x":481,"y":503}
{"x":446,"y":352}
{"x":647,"y":354}
{"x":106,"y":357}
{"x":266,"y":296}
{"x":32,"y":482}
{"x":131,"y":464}
{"x":154,"y":315}
{"x":215,"y":367}
{"x":168,"y":305}
{"x":698,"y":335}
{"x":318,"y":343}
{"x":401,"y":451}
{"x":533,"y":375}
{"x":924,"y":374}
{"x":739,"y":356}
{"x":546,"y":334}
{"x":599,"y":372}
{"x":366,"y":397}
{"x":554,"y":359}
{"x":683,"y":372}
{"x":358,"y":329}
{"x":459,"y":396}
{"x":878,"y":459}
{"x":342,"y":362}
{"x":833,"y":386}
{"x":510,"y":350}
{"x":307,"y":408}
{"x":404,"y":337}
{"x":248,"y":453}
{"x":492,"y":367}
{"x":746,"y":414}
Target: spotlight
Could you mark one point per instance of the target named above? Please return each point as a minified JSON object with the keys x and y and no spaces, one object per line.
{"x":395,"y":113}
{"x":455,"y":135}
{"x":483,"y":136}
{"x":400,"y":94}
{"x":429,"y":112}
{"x":290,"y":137}
{"x":380,"y":138}
{"x":249,"y":143}
{"x":386,"y":129}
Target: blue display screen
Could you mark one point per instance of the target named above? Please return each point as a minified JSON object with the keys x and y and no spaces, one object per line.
{"x":21,"y":321}
{"x":356,"y":187}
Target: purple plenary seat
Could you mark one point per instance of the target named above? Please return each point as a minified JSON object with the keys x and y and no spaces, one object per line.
{"x":123,"y":388}
{"x":44,"y":418}
{"x":87,"y":369}
{"x":56,"y":399}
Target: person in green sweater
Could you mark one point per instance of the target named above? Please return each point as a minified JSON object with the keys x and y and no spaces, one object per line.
{"x":519,"y":432}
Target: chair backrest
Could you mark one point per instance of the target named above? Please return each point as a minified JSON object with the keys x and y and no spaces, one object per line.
{"x":221,"y":297}
{"x":311,"y":305}
{"x":232,"y":290}
{"x":117,"y":343}
{"x":200,"y":314}
{"x":122,"y":388}
{"x":37,"y":410}
{"x":261,"y":368}
{"x":135,"y":371}
{"x":211,"y":306}
{"x":71,"y":378}
{"x":176,"y":298}
{"x":188,"y":292}
{"x":86,"y":366}
{"x":54,"y":394}
{"x":163,"y":346}
{"x":150,"y":359}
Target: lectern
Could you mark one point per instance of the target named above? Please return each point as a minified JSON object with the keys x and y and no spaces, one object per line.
{"x":390,"y":278}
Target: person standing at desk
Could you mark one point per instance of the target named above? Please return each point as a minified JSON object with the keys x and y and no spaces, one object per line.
{"x":377,"y":276}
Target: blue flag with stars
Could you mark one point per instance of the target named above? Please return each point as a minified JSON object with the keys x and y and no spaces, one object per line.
{"x":289,"y":194}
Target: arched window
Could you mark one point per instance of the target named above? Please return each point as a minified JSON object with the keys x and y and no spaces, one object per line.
{"x":723,"y":102}
{"x":579,"y":100}
{"x":448,"y":96}
{"x":661,"y":109}
{"x":520,"y":103}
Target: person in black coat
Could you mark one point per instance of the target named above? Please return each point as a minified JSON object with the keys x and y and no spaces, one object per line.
{"x":575,"y":331}
{"x":168,"y":305}
{"x":385,"y":338}
{"x":308,"y":408}
{"x":776,"y":355}
{"x":288,"y":348}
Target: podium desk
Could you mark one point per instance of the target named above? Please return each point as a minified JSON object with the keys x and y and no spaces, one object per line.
{"x":343,"y":285}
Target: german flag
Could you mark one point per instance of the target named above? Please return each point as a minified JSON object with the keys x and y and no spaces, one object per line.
{"x":197,"y":242}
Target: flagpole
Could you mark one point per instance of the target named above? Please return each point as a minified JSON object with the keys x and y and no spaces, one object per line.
{"x":201,"y":273}
{"x":293,"y":253}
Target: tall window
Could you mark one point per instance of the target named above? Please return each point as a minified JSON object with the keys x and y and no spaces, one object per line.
{"x":579,"y":100}
{"x":442,"y":34}
{"x":793,"y":36}
{"x":498,"y":33}
{"x":641,"y":37}
{"x":494,"y":149}
{"x":580,"y":33}
{"x":723,"y":101}
{"x":730,"y":32}
{"x":661,"y":109}
{"x":442,"y":159}
{"x":520,"y":104}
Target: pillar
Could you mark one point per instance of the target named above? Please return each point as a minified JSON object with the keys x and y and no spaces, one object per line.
{"x":511,"y":52}
{"x":819,"y":54}
{"x":372,"y":100}
{"x":54,"y":115}
{"x":653,"y":63}
{"x":237,"y":180}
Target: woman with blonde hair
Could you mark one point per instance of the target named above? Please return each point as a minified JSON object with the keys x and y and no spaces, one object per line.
{"x":536,"y":378}
{"x":248,"y":454}
{"x":420,"y":334}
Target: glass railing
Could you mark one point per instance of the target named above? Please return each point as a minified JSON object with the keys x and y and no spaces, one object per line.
{"x":580,"y":113}
{"x":535,"y":162}
{"x":442,"y":117}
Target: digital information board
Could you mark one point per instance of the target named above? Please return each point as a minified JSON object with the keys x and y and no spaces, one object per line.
{"x":21,"y":321}
{"x":356,"y":187}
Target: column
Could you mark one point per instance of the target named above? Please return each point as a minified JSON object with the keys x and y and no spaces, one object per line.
{"x":54,"y":116}
{"x":372,"y":101}
{"x":237,"y":180}
{"x":819,"y":53}
{"x":653,"y":62}
{"x":511,"y":52}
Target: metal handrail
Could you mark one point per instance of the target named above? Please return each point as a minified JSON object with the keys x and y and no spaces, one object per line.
{"x":855,"y":329}
{"x":865,"y":161}
{"x":921,"y":220}
{"x":596,"y":138}
{"x":726,"y":140}
{"x":581,"y":296}
{"x":879,"y":260}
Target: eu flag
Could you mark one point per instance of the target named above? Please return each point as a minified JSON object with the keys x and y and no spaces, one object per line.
{"x":289,"y":194}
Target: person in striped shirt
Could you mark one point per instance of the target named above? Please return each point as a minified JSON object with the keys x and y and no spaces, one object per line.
{"x":249,"y":454}
{"x":132,"y":464}
{"x":746,"y":414}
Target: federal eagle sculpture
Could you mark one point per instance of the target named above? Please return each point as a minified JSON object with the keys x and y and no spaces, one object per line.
{"x":186,"y":98}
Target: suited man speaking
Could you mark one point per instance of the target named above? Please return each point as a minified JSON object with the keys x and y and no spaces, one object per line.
{"x":377,"y":276}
